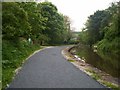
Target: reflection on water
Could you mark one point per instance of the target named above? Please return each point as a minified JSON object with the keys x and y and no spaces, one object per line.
{"x":106,"y":62}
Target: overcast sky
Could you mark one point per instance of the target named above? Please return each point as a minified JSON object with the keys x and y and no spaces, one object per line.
{"x":79,"y":10}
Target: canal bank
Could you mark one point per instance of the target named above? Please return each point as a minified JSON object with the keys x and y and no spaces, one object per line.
{"x":80,"y":62}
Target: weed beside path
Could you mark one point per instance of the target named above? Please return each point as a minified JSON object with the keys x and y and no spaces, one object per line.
{"x":13,"y":56}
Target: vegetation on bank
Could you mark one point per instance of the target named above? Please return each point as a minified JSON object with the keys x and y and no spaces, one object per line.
{"x":96,"y":69}
{"x":103,"y":29}
{"x":102,"y":32}
{"x":14,"y":55}
{"x":108,"y":63}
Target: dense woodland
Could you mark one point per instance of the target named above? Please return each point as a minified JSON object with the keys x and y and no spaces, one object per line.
{"x":41,"y":22}
{"x":103,"y":29}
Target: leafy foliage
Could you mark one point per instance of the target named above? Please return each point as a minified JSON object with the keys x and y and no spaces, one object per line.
{"x":41,"y":22}
{"x":15,"y":21}
{"x":103,"y":28}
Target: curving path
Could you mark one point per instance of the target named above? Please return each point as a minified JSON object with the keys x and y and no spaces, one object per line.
{"x":49,"y":69}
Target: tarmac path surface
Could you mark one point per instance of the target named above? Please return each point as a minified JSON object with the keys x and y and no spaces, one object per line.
{"x":49,"y":69}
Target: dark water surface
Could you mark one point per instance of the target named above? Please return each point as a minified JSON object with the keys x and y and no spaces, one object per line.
{"x":107,"y":62}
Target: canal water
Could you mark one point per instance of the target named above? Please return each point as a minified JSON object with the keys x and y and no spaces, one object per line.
{"x":106,"y":62}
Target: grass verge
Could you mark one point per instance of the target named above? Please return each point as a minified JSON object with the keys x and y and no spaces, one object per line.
{"x":71,"y":60}
{"x":93,"y":74}
{"x":13,"y":55}
{"x":97,"y":77}
{"x":111,"y":85}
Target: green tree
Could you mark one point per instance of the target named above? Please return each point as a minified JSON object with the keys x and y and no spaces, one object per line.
{"x":15,"y":21}
{"x":36,"y":21}
{"x":94,"y":24}
{"x":111,"y":40}
{"x":55,"y":28}
{"x":67,"y":27}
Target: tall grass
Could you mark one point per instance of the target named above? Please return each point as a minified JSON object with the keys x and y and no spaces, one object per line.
{"x":13,"y":54}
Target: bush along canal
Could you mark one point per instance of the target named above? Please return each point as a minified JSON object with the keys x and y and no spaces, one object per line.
{"x":105,"y":62}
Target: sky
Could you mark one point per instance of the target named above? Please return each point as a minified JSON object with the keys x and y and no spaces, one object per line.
{"x":79,"y":10}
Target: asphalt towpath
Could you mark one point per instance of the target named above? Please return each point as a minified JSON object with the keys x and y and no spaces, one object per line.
{"x":49,"y":69}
